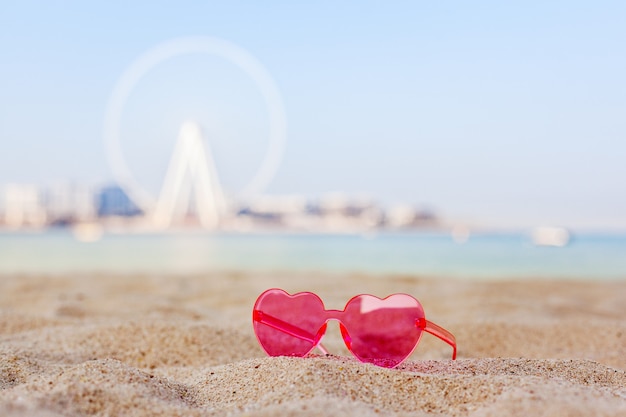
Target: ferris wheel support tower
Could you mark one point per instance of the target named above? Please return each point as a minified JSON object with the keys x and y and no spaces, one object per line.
{"x":191,"y":170}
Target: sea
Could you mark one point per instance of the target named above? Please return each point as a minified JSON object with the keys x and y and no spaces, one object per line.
{"x":482,"y":256}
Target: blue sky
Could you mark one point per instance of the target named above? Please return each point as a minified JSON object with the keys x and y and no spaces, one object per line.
{"x":490,"y":112}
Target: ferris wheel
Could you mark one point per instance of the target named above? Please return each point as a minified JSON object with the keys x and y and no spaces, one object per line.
{"x":191,"y":165}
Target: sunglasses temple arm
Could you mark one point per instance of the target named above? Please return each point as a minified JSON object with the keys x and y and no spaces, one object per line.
{"x":287,"y":328}
{"x":322,"y":349}
{"x":440,"y":332}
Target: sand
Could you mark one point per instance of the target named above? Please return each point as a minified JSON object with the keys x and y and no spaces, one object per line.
{"x":88,"y":344}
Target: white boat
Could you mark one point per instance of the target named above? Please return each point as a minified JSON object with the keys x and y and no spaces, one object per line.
{"x":550,"y":236}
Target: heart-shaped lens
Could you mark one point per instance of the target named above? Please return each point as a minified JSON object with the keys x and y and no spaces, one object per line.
{"x":383,"y":332}
{"x":288,"y":325}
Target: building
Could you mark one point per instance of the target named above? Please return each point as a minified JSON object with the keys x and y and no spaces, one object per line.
{"x":67,"y":203}
{"x":112,"y":201}
{"x":23,"y":206}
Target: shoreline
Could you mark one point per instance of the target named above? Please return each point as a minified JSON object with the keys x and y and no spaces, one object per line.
{"x":490,"y":257}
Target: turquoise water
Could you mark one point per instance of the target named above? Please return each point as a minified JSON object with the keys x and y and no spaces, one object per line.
{"x":483,"y":256}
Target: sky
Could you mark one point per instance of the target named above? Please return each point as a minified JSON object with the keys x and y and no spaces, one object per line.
{"x":501,"y":114}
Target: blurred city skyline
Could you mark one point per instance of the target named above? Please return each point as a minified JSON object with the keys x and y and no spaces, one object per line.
{"x":493,"y":114}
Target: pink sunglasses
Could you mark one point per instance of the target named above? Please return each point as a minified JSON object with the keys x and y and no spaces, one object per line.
{"x":383,"y":332}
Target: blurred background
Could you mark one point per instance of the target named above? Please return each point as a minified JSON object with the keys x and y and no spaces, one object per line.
{"x":473,"y":140}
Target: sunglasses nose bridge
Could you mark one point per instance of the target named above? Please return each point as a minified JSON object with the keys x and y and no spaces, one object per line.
{"x":333,"y":315}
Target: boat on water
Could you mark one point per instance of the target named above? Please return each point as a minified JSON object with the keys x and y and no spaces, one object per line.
{"x":550,"y":236}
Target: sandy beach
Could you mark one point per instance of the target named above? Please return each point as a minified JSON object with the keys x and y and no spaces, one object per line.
{"x":183,"y":345}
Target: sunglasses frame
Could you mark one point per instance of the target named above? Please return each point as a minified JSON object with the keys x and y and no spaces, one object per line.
{"x":261,"y":318}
